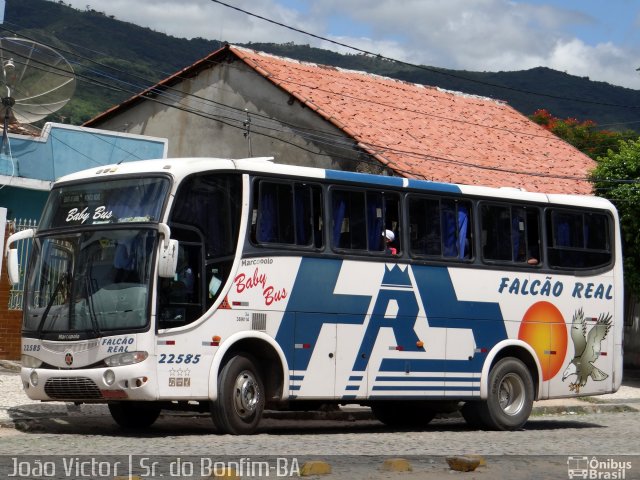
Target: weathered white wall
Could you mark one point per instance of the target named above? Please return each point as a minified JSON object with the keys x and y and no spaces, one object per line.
{"x":236,"y":85}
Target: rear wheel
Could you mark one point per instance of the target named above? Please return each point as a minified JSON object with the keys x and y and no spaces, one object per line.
{"x":509,"y":401}
{"x":241,"y":399}
{"x":404,"y":414}
{"x":133,"y":415}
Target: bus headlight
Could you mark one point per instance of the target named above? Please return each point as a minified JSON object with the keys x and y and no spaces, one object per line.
{"x":31,"y":362}
{"x":109,"y":377}
{"x":34,"y":378}
{"x":128,"y":358}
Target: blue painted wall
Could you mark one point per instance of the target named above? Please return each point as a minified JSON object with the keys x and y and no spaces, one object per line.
{"x":64,"y":149}
{"x":22,"y":203}
{"x":60,"y":150}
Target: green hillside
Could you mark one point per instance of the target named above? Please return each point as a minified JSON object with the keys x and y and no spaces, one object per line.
{"x":140,"y":56}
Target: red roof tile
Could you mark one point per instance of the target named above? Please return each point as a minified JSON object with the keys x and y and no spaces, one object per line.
{"x":420,"y":131}
{"x":426,"y":132}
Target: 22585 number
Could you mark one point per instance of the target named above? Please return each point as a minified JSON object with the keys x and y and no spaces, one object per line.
{"x":179,"y":358}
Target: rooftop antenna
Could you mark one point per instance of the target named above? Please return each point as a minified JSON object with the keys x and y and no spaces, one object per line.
{"x":35,"y":82}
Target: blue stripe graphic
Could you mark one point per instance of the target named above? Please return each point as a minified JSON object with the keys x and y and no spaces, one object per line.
{"x":427,"y":379}
{"x":415,"y":388}
{"x":364,"y":178}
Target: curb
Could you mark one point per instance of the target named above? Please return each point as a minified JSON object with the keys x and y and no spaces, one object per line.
{"x":582,"y":409}
{"x":10,"y":365}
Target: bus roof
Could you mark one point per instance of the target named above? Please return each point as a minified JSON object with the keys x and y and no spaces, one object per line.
{"x":179,"y":168}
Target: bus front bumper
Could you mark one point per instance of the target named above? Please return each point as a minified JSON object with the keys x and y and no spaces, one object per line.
{"x":99,"y":385}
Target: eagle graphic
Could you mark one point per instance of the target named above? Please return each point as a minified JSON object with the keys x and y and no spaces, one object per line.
{"x":587,"y":350}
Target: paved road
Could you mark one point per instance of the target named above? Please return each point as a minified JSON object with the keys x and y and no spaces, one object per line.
{"x":609,"y":433}
{"x":354,"y":449}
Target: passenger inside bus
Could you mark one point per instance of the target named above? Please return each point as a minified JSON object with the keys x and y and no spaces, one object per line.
{"x":389,"y":237}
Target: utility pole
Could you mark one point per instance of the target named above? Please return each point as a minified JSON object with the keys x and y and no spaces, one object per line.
{"x":247,"y":133}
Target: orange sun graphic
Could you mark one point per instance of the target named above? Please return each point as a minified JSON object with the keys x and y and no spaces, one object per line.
{"x":544,"y":329}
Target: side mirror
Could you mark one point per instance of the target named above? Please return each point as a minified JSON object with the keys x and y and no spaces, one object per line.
{"x":13,"y":269}
{"x":168,"y":254}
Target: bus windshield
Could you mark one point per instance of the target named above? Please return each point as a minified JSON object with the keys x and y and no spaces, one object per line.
{"x":115,"y":201}
{"x":84,"y":284}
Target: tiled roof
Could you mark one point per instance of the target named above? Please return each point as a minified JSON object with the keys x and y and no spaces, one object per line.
{"x":425,"y":132}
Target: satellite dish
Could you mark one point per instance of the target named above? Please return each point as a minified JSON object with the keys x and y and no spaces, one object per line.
{"x":36,"y":81}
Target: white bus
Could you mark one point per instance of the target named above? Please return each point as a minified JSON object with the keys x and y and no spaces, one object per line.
{"x":235,"y":286}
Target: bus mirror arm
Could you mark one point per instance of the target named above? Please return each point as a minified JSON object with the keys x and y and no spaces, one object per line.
{"x":168,"y":256}
{"x":13,"y":268}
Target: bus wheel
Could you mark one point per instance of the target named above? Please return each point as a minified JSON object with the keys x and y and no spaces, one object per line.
{"x":510,"y":397}
{"x":133,"y":415}
{"x":404,"y":414}
{"x":240,"y":403}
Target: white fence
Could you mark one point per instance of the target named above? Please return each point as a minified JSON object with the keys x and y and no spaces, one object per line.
{"x":16,"y":294}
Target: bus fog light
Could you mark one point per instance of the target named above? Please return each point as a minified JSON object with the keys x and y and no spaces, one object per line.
{"x":109,"y":377}
{"x":33,"y":377}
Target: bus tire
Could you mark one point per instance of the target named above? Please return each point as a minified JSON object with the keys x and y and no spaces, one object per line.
{"x":241,"y":397}
{"x":134,"y":415}
{"x":510,"y":396}
{"x":403,"y":414}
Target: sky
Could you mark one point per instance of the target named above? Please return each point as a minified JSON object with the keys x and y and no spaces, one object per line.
{"x":599,"y":39}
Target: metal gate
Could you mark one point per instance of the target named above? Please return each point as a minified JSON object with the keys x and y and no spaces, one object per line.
{"x":16,"y":293}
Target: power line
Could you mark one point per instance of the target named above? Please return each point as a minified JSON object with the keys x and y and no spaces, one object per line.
{"x":236,"y":123}
{"x":371,"y":146}
{"x":158,"y":89}
{"x":421,"y":67}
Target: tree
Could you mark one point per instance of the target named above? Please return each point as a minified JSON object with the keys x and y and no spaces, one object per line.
{"x":617,"y":177}
{"x":584,"y":135}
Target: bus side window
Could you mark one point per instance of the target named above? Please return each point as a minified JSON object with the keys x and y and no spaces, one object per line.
{"x":180,"y":296}
{"x":308,"y":215}
{"x":215,"y":273}
{"x":424,"y":217}
{"x":360,"y":218}
{"x":510,"y":234}
{"x":496,"y":232}
{"x":285,"y":213}
{"x":349,"y":227}
{"x":578,"y":239}
{"x":275,"y":213}
{"x":456,"y":228}
{"x":205,"y":220}
{"x":392,"y":219}
{"x":375,"y":221}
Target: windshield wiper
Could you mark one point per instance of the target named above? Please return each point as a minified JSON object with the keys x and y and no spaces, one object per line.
{"x":92,"y":313}
{"x":63,"y":278}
